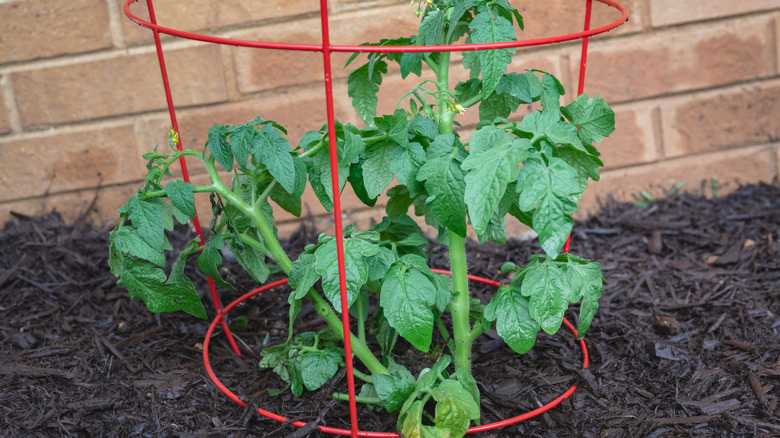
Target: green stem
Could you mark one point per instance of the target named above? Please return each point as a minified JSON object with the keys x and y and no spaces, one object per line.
{"x":471,"y":102}
{"x":477,"y":331}
{"x":446,"y":335}
{"x":358,"y":398}
{"x":364,"y":377}
{"x":359,"y":348}
{"x":460,"y":304}
{"x":196,"y":189}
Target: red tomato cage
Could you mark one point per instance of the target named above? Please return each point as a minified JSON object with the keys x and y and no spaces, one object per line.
{"x":326,"y":49}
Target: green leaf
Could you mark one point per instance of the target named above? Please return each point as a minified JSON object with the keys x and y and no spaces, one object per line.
{"x":413,"y":428}
{"x":423,"y":126}
{"x":406,"y":162}
{"x":411,"y":62}
{"x":593,"y":116}
{"x":445,"y":184}
{"x":497,"y":106}
{"x":549,"y":294}
{"x":210,"y":259}
{"x":143,"y":280}
{"x":548,"y":125}
{"x":251,"y":259}
{"x":513,"y":321}
{"x":469,"y":384}
{"x":128,"y":241}
{"x":303,"y":274}
{"x":585,"y":281}
{"x":148,"y":220}
{"x":431,"y":28}
{"x":490,"y":29}
{"x":494,"y":159}
{"x":545,"y":190}
{"x":552,"y":92}
{"x":393,"y":391}
{"x":460,"y":8}
{"x":406,"y":299}
{"x":242,"y":141}
{"x":380,"y":263}
{"x":377,"y":171}
{"x":181,"y":196}
{"x":585,"y":164}
{"x":274,"y":152}
{"x":455,"y":408}
{"x":358,"y":185}
{"x":362,"y":88}
{"x":356,"y":269}
{"x":178,"y":277}
{"x":526,"y":87}
{"x":219,"y":146}
{"x":319,"y":366}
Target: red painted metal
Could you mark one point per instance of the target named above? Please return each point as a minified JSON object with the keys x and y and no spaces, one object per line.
{"x":184,"y":172}
{"x":339,"y":229}
{"x":326,"y":48}
{"x":360,"y":433}
{"x":383,"y":49}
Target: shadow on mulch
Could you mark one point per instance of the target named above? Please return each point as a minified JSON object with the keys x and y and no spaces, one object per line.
{"x":685,"y":342}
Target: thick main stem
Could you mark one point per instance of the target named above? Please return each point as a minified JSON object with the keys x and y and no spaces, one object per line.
{"x":459,"y":307}
{"x":359,"y":348}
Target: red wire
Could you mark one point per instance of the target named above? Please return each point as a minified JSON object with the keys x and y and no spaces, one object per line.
{"x":184,"y":172}
{"x":339,"y":232}
{"x":345,"y":432}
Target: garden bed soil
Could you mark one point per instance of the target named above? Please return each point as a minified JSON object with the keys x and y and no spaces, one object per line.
{"x":685,"y":342}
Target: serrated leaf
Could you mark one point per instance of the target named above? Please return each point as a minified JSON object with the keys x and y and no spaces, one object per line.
{"x":251,"y":259}
{"x":497,"y":106}
{"x":377,"y":171}
{"x":406,"y":299}
{"x":545,"y":190}
{"x":490,"y":29}
{"x":411,"y":62}
{"x":412,"y":426}
{"x":182,"y":197}
{"x":445,"y":184}
{"x":513,"y":321}
{"x":423,"y":126}
{"x":355,"y":178}
{"x":460,"y":8}
{"x":393,"y":391}
{"x":303,"y":274}
{"x":551,"y":94}
{"x":593,"y":116}
{"x":274,"y":152}
{"x":455,"y":407}
{"x":526,"y":87}
{"x":356,"y":269}
{"x":493,"y":161}
{"x":362,"y":88}
{"x":585,"y":164}
{"x":431,"y":28}
{"x":548,"y":125}
{"x":148,"y":221}
{"x":210,"y":259}
{"x":549,"y":294}
{"x":242,"y":140}
{"x":405,"y":162}
{"x":219,"y":147}
{"x":585,"y":281}
{"x":145,"y":281}
{"x":128,"y":241}
{"x":318,"y":367}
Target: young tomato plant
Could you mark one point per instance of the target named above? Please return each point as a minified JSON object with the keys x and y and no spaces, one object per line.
{"x":533,"y":169}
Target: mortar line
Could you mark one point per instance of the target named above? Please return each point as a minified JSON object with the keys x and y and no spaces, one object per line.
{"x":115,"y":24}
{"x":658,"y":132}
{"x":9,"y":99}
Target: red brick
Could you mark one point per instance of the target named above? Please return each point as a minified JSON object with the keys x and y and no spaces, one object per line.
{"x":5,"y":123}
{"x":680,"y":59}
{"x":269,"y":69}
{"x":719,"y":120}
{"x":195,"y":15}
{"x":632,"y":142}
{"x":299,"y":112}
{"x":730,"y":169}
{"x":41,"y":28}
{"x":117,"y":86}
{"x":75,"y":205}
{"x":667,"y":12}
{"x":50,"y":164}
{"x":561,"y":17}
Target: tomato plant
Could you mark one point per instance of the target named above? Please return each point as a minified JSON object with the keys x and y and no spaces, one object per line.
{"x":533,"y":169}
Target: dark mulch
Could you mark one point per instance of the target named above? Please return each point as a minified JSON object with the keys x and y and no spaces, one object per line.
{"x":685,"y":343}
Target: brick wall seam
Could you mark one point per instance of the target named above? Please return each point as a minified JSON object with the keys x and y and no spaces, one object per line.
{"x":10,"y":103}
{"x":115,"y":17}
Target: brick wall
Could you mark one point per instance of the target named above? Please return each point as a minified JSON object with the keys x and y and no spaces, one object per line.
{"x":694,"y":84}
